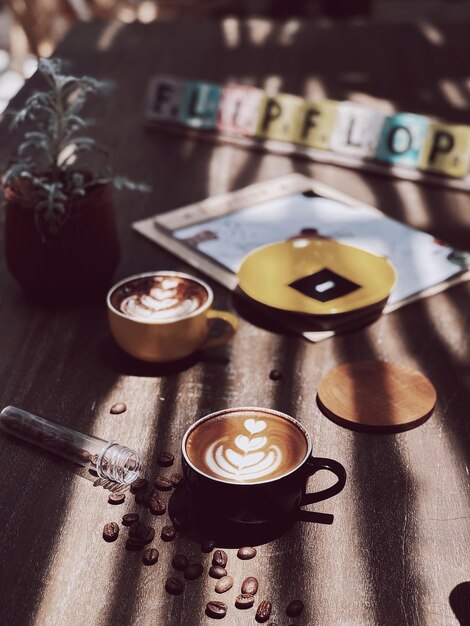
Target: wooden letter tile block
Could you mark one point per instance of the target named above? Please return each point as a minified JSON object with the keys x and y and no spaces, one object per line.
{"x":200,"y":103}
{"x":238,"y":110}
{"x":165,"y":99}
{"x":279,"y":117}
{"x":317,"y":121}
{"x":447,"y":150}
{"x":357,"y":130}
{"x":402,"y":139}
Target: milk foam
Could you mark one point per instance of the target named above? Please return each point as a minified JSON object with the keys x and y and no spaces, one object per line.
{"x":247,"y":457}
{"x":165,"y":299}
{"x":246,"y":446}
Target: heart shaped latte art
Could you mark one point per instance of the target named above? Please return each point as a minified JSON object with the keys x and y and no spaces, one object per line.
{"x":254,"y":426}
{"x":246,"y":444}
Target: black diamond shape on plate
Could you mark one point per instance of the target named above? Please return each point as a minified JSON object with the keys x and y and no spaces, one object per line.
{"x":324,"y":285}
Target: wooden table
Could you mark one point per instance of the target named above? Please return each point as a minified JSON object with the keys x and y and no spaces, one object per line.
{"x":398,"y":546}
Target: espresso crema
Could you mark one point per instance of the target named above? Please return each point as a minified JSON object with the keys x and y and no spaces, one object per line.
{"x":156,"y":298}
{"x":246,"y":446}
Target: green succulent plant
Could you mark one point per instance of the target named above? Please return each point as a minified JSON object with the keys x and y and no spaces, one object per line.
{"x":55,"y":161}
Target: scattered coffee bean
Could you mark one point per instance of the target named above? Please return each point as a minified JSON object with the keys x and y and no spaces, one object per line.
{"x":168,"y":533}
{"x":130,"y":518}
{"x":207,"y":545}
{"x":117,"y":497}
{"x":180,"y":562}
{"x":216,"y":571}
{"x":163,"y":484}
{"x":137,"y":485}
{"x":134,"y":545}
{"x":264,"y":611}
{"x":117,"y":408}
{"x":294,"y":608}
{"x":149,"y":535}
{"x":275,"y":375}
{"x":216,"y":609}
{"x":220,"y":558}
{"x":193,"y":571}
{"x":176,"y":479}
{"x":150,"y":556}
{"x":250,"y":585}
{"x":244,"y":601}
{"x":156,"y":505}
{"x":110,"y":531}
{"x":165,"y":459}
{"x":224,"y":584}
{"x":246,"y":553}
{"x":137,"y":530}
{"x":174,"y":586}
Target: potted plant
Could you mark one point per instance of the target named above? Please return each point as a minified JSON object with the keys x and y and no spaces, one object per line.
{"x":60,"y":231}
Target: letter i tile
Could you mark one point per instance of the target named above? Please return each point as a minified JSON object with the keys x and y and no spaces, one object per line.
{"x":238,"y":110}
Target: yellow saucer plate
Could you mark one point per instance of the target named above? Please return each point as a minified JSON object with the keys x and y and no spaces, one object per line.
{"x":315,"y":277}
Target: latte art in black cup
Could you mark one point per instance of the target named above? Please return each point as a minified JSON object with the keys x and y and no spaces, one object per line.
{"x":159,"y":297}
{"x":246,"y":447}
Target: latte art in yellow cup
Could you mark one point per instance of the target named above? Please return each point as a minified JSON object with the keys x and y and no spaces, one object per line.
{"x":246,"y":446}
{"x":165,"y":316}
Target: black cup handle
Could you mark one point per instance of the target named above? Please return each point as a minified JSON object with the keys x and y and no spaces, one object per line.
{"x":314,"y":464}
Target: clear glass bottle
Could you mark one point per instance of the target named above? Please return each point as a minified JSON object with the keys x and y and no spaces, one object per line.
{"x":108,"y":458}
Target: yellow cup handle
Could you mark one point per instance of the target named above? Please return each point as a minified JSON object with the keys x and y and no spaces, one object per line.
{"x":232,"y":322}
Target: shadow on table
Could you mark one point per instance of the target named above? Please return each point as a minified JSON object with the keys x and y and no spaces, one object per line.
{"x":199,"y":524}
{"x":459,"y":601}
{"x":121,"y":363}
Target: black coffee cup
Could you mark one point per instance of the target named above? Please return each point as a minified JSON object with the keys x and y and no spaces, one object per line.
{"x":263,"y":501}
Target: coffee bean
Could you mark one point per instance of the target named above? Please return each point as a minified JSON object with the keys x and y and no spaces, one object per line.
{"x":250,"y":585}
{"x":163,"y":484}
{"x":156,"y":505}
{"x":264,"y":611}
{"x":149,"y":535}
{"x":220,"y":558}
{"x":150,"y":556}
{"x":165,"y":459}
{"x":294,"y":608}
{"x":207,"y":545}
{"x":246,"y":553}
{"x":224,"y":584}
{"x":168,"y":533}
{"x":137,"y":530}
{"x":134,"y":545}
{"x":216,"y":609}
{"x":275,"y":375}
{"x":244,"y":601}
{"x":138,"y":484}
{"x":193,"y":571}
{"x":117,"y":408}
{"x":174,"y":586}
{"x":180,"y":562}
{"x":110,"y":531}
{"x":116,"y":497}
{"x":130,"y":518}
{"x":216,"y":571}
{"x":176,"y":479}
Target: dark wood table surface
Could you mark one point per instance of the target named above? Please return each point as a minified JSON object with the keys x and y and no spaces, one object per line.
{"x":398,"y":550}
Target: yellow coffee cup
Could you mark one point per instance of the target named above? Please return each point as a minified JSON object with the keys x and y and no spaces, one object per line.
{"x":165,"y":316}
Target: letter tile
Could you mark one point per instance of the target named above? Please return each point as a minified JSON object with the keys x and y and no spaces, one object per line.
{"x":447,"y":150}
{"x":200,"y":103}
{"x":402,"y":139}
{"x":238,"y":110}
{"x":164,"y":99}
{"x":357,"y":129}
{"x":317,"y":120}
{"x":279,"y":117}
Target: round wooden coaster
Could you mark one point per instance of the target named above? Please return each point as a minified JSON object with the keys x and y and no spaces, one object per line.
{"x":376,"y":396}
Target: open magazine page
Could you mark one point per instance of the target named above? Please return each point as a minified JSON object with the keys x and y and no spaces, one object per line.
{"x":420,"y":261}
